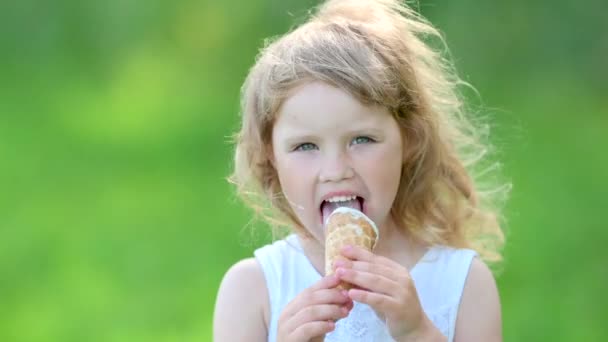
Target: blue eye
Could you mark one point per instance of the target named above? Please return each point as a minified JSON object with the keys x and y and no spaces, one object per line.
{"x":362,"y":140}
{"x":305,"y":147}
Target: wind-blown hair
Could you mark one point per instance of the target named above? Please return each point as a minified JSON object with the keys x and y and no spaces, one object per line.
{"x":381,"y":53}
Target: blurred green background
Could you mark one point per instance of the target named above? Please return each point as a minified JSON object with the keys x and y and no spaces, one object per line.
{"x":116,"y":223}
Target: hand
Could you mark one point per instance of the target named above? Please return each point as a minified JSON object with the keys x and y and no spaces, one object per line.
{"x":388,"y":288}
{"x":313,"y":312}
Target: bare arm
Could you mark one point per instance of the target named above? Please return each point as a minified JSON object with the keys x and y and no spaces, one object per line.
{"x":479,"y":317}
{"x":241,"y":308}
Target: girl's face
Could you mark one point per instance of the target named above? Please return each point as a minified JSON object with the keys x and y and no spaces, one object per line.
{"x":328,"y":147}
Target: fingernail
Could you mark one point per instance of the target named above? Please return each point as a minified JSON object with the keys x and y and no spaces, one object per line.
{"x":340,"y":271}
{"x":339,"y":263}
{"x":347,"y":248}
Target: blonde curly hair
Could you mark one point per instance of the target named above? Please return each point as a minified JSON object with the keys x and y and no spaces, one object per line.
{"x":380,"y":52}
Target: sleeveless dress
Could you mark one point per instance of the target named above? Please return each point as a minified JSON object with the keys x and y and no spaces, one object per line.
{"x":439,"y":278}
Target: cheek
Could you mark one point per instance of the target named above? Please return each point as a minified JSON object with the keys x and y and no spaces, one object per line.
{"x":388,"y":176}
{"x":297,"y":178}
{"x":392,"y":172}
{"x":383,"y":169}
{"x":294,"y":173}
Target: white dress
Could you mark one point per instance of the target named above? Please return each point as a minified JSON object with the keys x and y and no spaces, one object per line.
{"x":439,"y":278}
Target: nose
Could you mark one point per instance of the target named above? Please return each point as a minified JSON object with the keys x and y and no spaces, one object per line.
{"x":336,"y":167}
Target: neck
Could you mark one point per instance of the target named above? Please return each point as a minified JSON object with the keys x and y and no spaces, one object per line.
{"x":395,"y":243}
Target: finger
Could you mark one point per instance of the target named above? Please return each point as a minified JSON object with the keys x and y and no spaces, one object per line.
{"x":307,"y":331}
{"x":350,"y":304}
{"x":325,"y":296}
{"x":326,"y":282}
{"x":315,"y":313}
{"x":357,"y":253}
{"x":309,"y":295}
{"x":379,"y":269}
{"x":371,"y":281}
{"x":378,"y":301}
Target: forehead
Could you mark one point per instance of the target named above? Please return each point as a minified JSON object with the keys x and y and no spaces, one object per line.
{"x":321,"y":107}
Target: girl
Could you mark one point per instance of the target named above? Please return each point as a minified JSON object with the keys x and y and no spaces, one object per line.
{"x":353,"y":108}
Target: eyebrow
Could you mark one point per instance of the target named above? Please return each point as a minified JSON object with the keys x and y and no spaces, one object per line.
{"x":294,"y":139}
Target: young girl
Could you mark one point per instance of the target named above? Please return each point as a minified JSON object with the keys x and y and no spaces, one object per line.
{"x":354,"y":108}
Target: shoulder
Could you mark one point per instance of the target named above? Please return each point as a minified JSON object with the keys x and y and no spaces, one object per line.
{"x":236,"y":307}
{"x":479,"y":317}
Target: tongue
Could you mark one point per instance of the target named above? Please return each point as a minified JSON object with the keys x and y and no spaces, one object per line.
{"x":328,"y":207}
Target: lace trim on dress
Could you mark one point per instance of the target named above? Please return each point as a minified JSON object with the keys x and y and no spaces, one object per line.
{"x":362,"y":324}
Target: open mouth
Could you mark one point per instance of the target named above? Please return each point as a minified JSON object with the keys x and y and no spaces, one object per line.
{"x":328,"y":206}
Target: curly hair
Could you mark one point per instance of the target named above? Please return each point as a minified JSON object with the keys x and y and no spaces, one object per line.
{"x":381,"y":52}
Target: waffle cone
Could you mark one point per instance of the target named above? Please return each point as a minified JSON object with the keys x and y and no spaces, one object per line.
{"x":347,"y":226}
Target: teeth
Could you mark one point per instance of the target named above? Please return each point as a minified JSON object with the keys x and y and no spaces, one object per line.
{"x":341,"y":199}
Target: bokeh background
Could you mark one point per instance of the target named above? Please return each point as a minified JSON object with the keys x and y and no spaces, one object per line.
{"x":117,"y":224}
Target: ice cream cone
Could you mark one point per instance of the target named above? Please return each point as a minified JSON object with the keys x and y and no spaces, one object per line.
{"x":347,"y":226}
